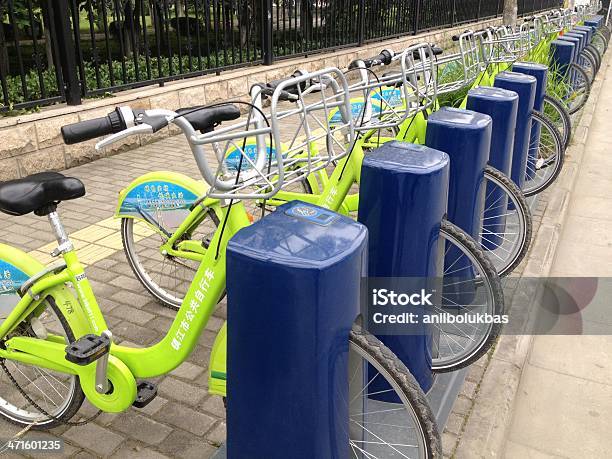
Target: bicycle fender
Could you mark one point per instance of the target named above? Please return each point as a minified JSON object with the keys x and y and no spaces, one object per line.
{"x":155,"y":191}
{"x":217,"y":375}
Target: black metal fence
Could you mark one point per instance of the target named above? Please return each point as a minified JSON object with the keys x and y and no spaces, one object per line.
{"x":64,"y":50}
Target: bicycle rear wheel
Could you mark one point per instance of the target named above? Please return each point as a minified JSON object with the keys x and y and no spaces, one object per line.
{"x":59,"y":394}
{"x":549,"y":158}
{"x":393,"y":420}
{"x":560,"y":117}
{"x":471,"y":287}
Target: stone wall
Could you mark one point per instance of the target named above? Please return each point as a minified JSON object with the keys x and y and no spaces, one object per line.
{"x":32,"y":143}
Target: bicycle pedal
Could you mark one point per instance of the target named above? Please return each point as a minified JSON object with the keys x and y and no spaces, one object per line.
{"x":146,"y":392}
{"x":88,"y":349}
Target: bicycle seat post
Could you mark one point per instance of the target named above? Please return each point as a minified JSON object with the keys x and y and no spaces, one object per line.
{"x":63,"y":241}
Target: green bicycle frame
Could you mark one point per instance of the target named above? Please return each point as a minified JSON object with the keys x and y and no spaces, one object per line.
{"x":83,"y":315}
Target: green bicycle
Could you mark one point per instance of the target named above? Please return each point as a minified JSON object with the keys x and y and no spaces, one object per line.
{"x":165,"y":253}
{"x":56,"y":348}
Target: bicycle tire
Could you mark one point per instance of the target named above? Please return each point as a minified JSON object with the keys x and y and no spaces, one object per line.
{"x":553,"y":158}
{"x":520,"y":212}
{"x":561,"y":120}
{"x":143,"y":270}
{"x":71,"y":407}
{"x":401,"y":380}
{"x":462,"y":241}
{"x":587,"y":62}
{"x":155,"y":282}
{"x":580,"y":91}
{"x":591,"y":49}
{"x":599,"y":42}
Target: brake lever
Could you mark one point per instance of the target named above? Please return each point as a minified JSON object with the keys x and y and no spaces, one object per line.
{"x":139,"y":129}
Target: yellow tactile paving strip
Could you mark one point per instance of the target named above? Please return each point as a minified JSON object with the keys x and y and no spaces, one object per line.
{"x":95,"y":242}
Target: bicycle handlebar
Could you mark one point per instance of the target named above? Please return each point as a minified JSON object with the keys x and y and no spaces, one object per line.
{"x":290,"y":93}
{"x":385,"y":57}
{"x":112,"y":123}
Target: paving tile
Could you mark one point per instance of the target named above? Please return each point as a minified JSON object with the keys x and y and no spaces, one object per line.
{"x":176,"y":389}
{"x":562,"y":415}
{"x":141,"y":428}
{"x":95,"y":438}
{"x":135,"y":451}
{"x":186,"y":418}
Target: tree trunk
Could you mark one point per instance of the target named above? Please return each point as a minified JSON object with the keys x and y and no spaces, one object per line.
{"x":306,"y":19}
{"x":244,"y":23}
{"x":510,"y":12}
{"x":47,"y":34}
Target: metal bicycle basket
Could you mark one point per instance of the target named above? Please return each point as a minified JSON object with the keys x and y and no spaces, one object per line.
{"x":268,"y":149}
{"x":458,"y":70}
{"x":506,"y":46}
{"x":386,"y":101}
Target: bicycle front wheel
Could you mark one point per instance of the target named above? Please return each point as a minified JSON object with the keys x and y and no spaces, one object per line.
{"x":165,"y":277}
{"x":560,"y":117}
{"x":599,"y":42}
{"x":577,"y":88}
{"x":591,"y":49}
{"x":389,"y":415}
{"x":470,"y":288}
{"x":588,"y":64}
{"x":506,"y":225}
{"x":549,"y":155}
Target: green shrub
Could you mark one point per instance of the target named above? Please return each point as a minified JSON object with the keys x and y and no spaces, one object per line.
{"x":122,"y":74}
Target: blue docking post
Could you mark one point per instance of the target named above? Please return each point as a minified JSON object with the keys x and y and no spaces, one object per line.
{"x":574,"y":41}
{"x":525,"y":87}
{"x":402,"y":200}
{"x":502,"y":106}
{"x":466,"y":137}
{"x":587,"y":29}
{"x":594,"y":22}
{"x":580,"y":35}
{"x":562,"y":55}
{"x":540,"y":73}
{"x":293,"y":291}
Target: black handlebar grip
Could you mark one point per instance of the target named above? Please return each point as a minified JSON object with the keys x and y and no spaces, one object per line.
{"x":437,"y":50}
{"x":91,"y":129}
{"x":455,"y":38}
{"x":293,"y":89}
{"x":385,"y":57}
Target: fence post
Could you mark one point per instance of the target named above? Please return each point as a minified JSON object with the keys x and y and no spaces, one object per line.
{"x":65,"y":46}
{"x":361,"y":24}
{"x":417,"y":13}
{"x":266,"y":30}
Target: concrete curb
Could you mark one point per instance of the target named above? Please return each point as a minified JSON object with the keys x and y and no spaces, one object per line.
{"x":485,"y":430}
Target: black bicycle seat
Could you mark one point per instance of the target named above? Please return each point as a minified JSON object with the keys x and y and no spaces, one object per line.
{"x":38,"y":192}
